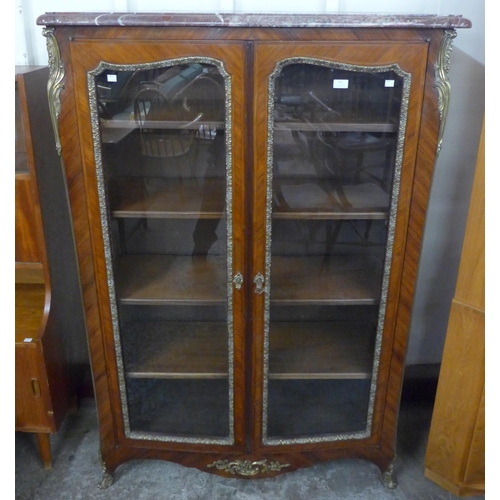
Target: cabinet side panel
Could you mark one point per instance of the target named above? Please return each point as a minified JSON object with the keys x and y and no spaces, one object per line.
{"x":425,"y":160}
{"x":27,"y":248}
{"x":71,"y":156}
{"x":454,"y":424}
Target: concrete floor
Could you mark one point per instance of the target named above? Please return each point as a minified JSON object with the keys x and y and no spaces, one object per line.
{"x":76,"y":471}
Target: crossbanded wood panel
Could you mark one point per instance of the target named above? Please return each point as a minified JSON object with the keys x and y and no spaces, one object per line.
{"x":76,"y":140}
{"x":410,"y":57}
{"x":85,"y":55}
{"x":417,"y":194}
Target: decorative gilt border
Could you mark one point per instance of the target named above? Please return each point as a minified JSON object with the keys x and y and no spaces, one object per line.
{"x":55,"y":83}
{"x":442,"y":83}
{"x":388,"y":256}
{"x":247,"y":467}
{"x":104,"y":212}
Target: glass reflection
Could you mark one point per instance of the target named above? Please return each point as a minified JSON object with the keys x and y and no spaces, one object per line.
{"x":334,"y":152}
{"x":164,"y":169}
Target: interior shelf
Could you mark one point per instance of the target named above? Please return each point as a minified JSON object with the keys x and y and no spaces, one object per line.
{"x":321,"y":350}
{"x":191,"y":280}
{"x":183,"y":349}
{"x":301,"y":350}
{"x":174,"y":280}
{"x":333,"y":280}
{"x":315,"y":199}
{"x":135,"y":197}
{"x":115,"y":129}
{"x":122,"y":124}
{"x":168,"y":198}
{"x":125,"y":120}
{"x":340,"y":126}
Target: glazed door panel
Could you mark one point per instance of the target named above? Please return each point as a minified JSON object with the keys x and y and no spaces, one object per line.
{"x":165,"y":124}
{"x":335,"y":148}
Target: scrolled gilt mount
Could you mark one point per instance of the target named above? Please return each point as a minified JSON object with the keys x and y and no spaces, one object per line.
{"x":442,"y":83}
{"x":247,"y":467}
{"x":55,"y":83}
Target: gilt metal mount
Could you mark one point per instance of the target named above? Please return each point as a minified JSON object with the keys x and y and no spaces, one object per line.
{"x":442,"y":83}
{"x":259,"y":283}
{"x":247,"y":467}
{"x":389,"y":477}
{"x":107,"y":477}
{"x":55,"y":83}
{"x":238,"y":280}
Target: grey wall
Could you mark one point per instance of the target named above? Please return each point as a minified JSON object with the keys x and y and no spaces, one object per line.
{"x":451,"y":188}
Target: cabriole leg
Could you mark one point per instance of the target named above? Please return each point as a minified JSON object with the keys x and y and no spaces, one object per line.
{"x":107,"y":477}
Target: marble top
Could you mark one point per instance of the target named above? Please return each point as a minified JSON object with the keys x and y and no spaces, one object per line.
{"x":253,"y":20}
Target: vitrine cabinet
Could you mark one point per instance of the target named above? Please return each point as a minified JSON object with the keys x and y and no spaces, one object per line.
{"x":248,"y":195}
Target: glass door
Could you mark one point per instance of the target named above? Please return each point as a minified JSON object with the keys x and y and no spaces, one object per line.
{"x":336,"y":135}
{"x":162,"y":147}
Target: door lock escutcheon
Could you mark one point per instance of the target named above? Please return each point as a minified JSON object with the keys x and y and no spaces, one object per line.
{"x":259,"y":283}
{"x":238,"y":280}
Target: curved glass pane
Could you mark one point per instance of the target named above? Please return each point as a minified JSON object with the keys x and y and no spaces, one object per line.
{"x":162,"y":165}
{"x":335,"y":132}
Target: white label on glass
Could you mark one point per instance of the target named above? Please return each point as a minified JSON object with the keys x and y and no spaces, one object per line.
{"x":389,"y":83}
{"x":27,"y":340}
{"x":111,"y":78}
{"x":340,"y":84}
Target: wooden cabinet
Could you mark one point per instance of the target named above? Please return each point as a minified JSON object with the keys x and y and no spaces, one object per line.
{"x":30,"y":83}
{"x":50,"y":351}
{"x":455,"y":457}
{"x":248,"y":196}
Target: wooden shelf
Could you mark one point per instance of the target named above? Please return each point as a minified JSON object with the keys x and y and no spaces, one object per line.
{"x":168,"y":198}
{"x":174,"y":280}
{"x":314,"y":199}
{"x":186,"y":280}
{"x":125,"y":120}
{"x":123,"y":123}
{"x":136,"y":197}
{"x":161,"y":349}
{"x":321,"y":350}
{"x":339,"y":280}
{"x":302,"y":350}
{"x":336,"y":126}
{"x":115,"y":129}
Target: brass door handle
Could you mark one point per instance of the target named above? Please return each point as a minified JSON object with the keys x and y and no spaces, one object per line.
{"x":35,"y":387}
